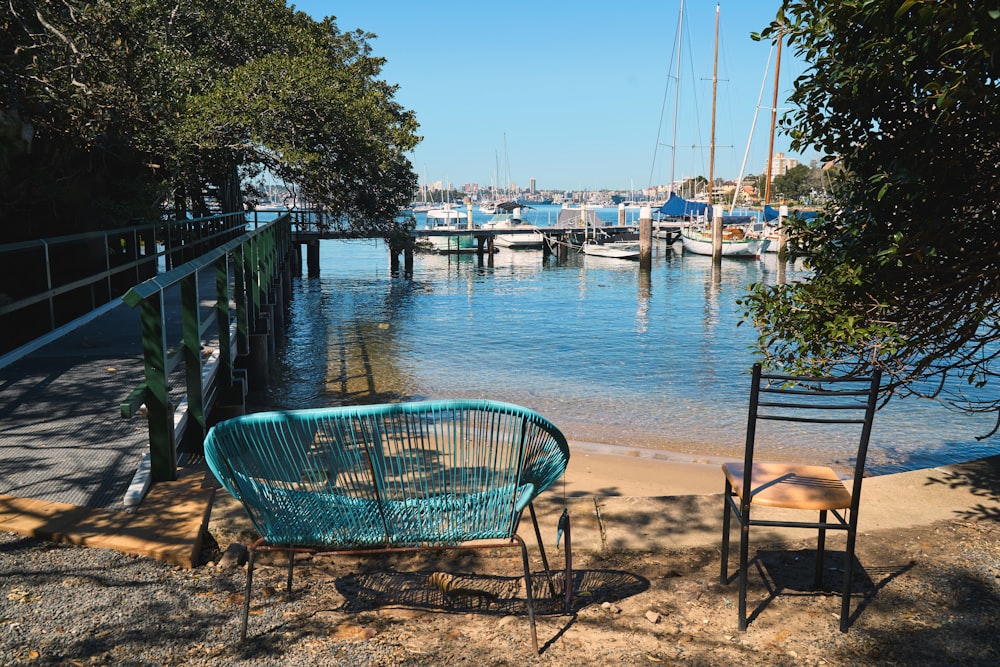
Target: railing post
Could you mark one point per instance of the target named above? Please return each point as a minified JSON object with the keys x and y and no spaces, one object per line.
{"x":222,"y":300}
{"x":241,"y":295}
{"x":159,"y":411}
{"x":191,"y":349}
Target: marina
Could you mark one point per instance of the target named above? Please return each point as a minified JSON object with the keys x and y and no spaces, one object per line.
{"x":651,"y":363}
{"x":609,"y":232}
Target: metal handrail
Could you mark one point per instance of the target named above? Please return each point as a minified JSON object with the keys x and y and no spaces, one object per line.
{"x":255,"y":258}
{"x":130,"y":255}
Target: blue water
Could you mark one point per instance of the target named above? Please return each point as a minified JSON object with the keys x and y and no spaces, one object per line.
{"x":607,"y":353}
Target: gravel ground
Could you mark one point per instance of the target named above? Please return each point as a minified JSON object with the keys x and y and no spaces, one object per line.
{"x":929,"y":596}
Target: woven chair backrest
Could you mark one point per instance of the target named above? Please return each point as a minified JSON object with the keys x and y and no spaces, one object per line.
{"x":393,"y":475}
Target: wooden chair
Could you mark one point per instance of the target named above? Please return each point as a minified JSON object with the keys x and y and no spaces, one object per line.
{"x":849,"y":402}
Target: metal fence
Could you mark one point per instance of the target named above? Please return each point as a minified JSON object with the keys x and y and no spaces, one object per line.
{"x":48,"y":283}
{"x":184,"y":379}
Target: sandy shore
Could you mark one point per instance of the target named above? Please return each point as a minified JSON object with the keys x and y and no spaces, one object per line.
{"x":596,"y":469}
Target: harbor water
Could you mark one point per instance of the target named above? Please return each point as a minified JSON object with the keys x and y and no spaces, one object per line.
{"x":642,"y":363}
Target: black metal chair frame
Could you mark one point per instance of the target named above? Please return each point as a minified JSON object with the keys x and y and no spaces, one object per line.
{"x":261,"y":545}
{"x":848,"y":400}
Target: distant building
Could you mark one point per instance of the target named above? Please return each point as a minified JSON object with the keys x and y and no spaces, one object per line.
{"x":780,"y":165}
{"x":531,"y":185}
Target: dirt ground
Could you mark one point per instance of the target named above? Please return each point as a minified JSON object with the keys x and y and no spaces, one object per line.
{"x":927,"y":596}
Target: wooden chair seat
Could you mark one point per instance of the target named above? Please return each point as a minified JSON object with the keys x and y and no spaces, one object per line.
{"x":791,"y":485}
{"x":846,"y":403}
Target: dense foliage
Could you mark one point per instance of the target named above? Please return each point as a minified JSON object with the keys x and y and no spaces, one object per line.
{"x":798,"y":183}
{"x":108,"y":108}
{"x":906,"y":260}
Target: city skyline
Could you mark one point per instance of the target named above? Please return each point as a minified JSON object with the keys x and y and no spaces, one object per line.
{"x":779,"y":166}
{"x":577,"y":98}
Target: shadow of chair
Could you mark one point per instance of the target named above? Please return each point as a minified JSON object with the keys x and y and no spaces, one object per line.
{"x":789,"y":572}
{"x":840,"y":403}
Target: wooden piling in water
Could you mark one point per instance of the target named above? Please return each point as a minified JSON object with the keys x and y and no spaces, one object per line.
{"x":312,"y":258}
{"x":296,"y":260}
{"x":645,"y":237}
{"x":782,"y":240}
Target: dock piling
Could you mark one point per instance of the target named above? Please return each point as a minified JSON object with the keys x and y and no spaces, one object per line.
{"x":645,"y":237}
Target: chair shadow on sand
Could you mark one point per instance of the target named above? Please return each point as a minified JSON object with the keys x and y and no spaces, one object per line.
{"x":482,"y":593}
{"x":487,"y":594}
{"x":784,"y":573}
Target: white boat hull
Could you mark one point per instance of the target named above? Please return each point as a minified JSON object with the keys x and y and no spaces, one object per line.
{"x":528,"y":240}
{"x":613,"y":250}
{"x":446,"y":244}
{"x":520,"y":241}
{"x":701,"y":244}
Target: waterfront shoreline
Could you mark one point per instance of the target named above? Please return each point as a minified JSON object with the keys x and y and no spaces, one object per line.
{"x":598,"y":468}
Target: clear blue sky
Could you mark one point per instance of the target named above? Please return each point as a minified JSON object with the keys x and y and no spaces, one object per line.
{"x":572,"y":94}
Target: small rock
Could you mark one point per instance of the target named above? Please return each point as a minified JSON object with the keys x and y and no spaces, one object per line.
{"x":506,"y":620}
{"x":352,"y":631}
{"x":236,"y":554}
{"x":652,"y":616}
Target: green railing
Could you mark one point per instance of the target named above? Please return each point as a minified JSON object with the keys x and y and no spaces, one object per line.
{"x":48,"y":283}
{"x":182,"y":383}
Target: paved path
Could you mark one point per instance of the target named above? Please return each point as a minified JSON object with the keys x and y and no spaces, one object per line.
{"x":61,"y":436}
{"x":67,"y":457}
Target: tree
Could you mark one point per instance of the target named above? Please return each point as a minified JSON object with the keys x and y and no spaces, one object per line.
{"x":905,"y":261}
{"x":132,"y":102}
{"x":795,"y":183}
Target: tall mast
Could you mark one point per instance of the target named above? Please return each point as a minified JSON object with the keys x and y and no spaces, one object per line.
{"x":715,"y":84}
{"x":774,"y":121}
{"x":677,"y":92}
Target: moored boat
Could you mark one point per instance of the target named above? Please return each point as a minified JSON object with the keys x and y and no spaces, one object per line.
{"x":612,"y":249}
{"x":521,"y":236}
{"x":448,"y":219}
{"x":740,"y":235}
{"x":737,"y":241}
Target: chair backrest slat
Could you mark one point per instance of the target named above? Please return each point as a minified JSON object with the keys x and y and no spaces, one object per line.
{"x":828,"y":400}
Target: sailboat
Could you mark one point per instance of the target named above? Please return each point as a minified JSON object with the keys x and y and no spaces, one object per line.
{"x":726,"y":236}
{"x":425,"y":205}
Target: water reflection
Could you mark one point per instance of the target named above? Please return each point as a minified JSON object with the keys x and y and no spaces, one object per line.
{"x":610,"y":353}
{"x":642,"y":308}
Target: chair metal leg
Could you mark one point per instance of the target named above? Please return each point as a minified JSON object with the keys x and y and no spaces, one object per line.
{"x":528,"y":592}
{"x":246,"y":594}
{"x":568,"y":560}
{"x":291,"y":566}
{"x":541,"y":550}
{"x":744,"y":519}
{"x":820,"y":552}
{"x":845,"y":606}
{"x":726,"y":509}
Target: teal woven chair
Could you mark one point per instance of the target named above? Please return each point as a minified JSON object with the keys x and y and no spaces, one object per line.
{"x":380,"y":478}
